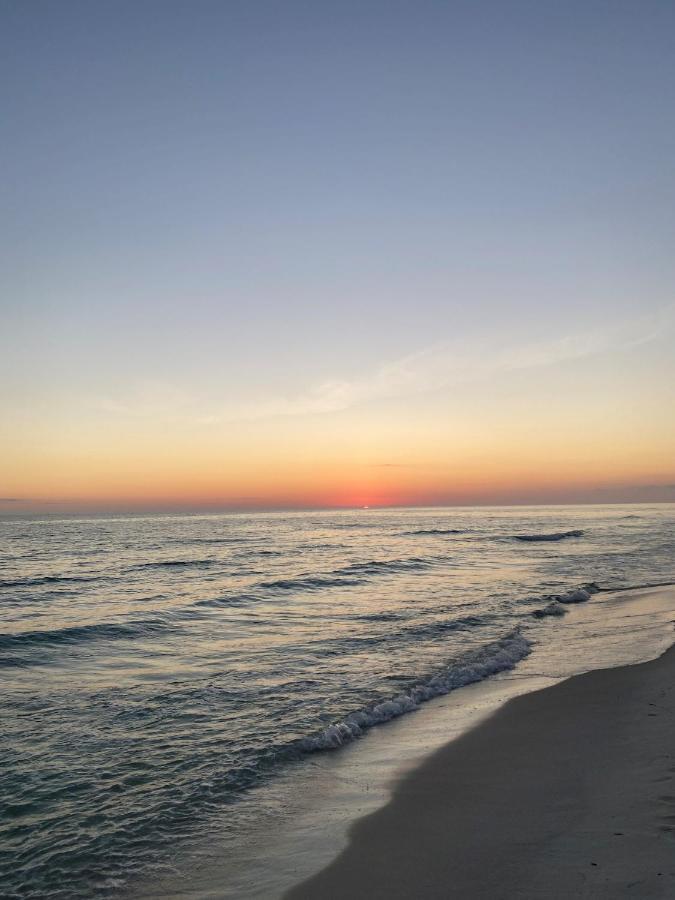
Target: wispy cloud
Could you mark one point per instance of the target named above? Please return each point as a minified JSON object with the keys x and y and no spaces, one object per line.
{"x":442,"y":365}
{"x":148,"y":399}
{"x":454,"y":362}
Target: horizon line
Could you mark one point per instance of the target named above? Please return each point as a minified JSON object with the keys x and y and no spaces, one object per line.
{"x":197,"y":511}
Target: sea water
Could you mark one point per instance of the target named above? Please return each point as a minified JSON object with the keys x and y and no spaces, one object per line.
{"x":172,"y":683}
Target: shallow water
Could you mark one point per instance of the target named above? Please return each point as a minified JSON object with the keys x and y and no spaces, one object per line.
{"x":162,"y":674}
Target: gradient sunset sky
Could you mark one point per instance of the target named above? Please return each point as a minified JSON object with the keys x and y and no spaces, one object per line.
{"x":263,"y":254}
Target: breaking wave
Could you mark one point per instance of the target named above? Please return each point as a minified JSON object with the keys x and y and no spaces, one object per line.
{"x":579,"y":595}
{"x":557,"y":602}
{"x":554,"y":608}
{"x":495,"y":657}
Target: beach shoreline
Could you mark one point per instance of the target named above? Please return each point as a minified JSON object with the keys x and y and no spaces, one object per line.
{"x":566,"y":791}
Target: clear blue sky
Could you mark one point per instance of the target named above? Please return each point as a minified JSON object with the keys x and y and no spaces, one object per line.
{"x":235,"y":202}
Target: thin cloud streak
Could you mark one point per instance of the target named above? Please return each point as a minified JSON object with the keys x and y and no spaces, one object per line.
{"x":450,"y":363}
{"x":433,"y":368}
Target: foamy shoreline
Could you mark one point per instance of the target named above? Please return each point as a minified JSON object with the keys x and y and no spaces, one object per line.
{"x":567,"y":791}
{"x":320,"y":804}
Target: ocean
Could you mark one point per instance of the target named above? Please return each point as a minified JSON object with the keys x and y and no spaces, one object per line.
{"x":161,"y":674}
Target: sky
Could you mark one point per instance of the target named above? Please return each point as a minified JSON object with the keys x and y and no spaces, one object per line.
{"x":312,"y":254}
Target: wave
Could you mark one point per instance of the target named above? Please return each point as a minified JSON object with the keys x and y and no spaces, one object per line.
{"x":311,"y":545}
{"x":380,"y":617}
{"x":348,"y":576}
{"x":387,"y":566}
{"x":421,"y":531}
{"x":231,"y":600}
{"x":498,"y":656}
{"x":214,"y":540}
{"x":177,"y":563}
{"x":438,"y":628}
{"x":580,"y":595}
{"x":552,"y":536}
{"x":335,"y":525}
{"x":613,"y":589}
{"x":557,"y":602}
{"x":79,"y":633}
{"x":48,"y":579}
{"x":554,"y":608}
{"x":307,"y":583}
{"x":410,"y":634}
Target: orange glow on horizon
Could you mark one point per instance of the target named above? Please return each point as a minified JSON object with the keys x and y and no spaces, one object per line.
{"x":341,"y":489}
{"x":338,"y":462}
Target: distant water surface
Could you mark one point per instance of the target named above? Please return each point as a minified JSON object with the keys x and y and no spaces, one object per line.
{"x":155,"y":669}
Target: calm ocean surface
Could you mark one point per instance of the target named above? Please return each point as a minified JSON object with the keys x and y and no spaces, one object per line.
{"x":154,"y":670}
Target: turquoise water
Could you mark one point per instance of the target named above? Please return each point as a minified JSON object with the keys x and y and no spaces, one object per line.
{"x":156,"y":669}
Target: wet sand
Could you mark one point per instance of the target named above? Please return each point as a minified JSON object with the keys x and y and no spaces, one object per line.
{"x":566,"y":792}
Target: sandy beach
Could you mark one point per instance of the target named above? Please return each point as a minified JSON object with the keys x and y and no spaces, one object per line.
{"x":566,"y":792}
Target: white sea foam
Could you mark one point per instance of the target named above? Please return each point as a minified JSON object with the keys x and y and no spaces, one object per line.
{"x":554,"y":608}
{"x":580,"y":595}
{"x":497,"y":656}
{"x":557,"y":602}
